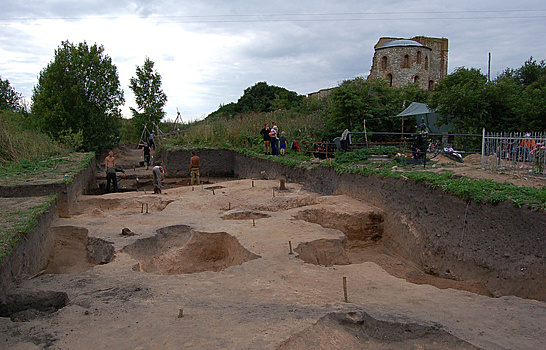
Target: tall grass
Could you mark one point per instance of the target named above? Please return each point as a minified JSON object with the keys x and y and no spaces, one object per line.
{"x":243,"y":130}
{"x":20,"y":141}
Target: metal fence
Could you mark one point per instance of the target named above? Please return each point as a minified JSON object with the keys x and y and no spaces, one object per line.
{"x":521,"y":154}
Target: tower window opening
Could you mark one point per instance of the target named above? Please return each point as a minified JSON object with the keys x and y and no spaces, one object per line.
{"x":405,"y":63}
{"x":384,"y":62}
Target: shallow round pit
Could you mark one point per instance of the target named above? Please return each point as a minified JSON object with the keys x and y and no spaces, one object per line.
{"x":325,"y":252}
{"x":30,"y":305}
{"x":244,"y":214}
{"x":181,"y":250}
{"x":358,"y":330}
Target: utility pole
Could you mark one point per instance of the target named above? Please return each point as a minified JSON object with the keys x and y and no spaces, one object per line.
{"x":489,"y":69}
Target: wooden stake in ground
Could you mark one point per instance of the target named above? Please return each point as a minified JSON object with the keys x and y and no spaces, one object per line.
{"x":345,"y":289}
{"x":253,"y":222}
{"x":290,"y":245}
{"x":252,"y":183}
{"x":282,"y":185}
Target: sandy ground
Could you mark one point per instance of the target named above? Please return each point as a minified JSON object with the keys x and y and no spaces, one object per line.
{"x":273,"y":300}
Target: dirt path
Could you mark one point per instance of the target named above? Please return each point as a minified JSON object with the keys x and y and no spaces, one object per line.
{"x":212,"y":270}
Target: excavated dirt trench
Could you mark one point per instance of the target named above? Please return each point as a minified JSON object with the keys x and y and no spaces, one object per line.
{"x":366,"y":242}
{"x":75,"y":251}
{"x":272,"y":300}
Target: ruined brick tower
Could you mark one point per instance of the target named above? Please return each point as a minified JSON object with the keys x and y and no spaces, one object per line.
{"x":420,"y":60}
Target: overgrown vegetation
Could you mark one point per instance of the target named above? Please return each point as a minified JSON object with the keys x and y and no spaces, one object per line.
{"x":18,"y":216}
{"x":21,"y":142}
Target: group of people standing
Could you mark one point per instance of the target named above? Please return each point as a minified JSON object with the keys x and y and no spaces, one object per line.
{"x":158,"y":171}
{"x":274,"y":144}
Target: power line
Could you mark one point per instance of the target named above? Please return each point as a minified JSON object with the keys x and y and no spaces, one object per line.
{"x":304,"y":17}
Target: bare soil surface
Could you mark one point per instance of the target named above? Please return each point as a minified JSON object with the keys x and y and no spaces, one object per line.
{"x":243,"y":265}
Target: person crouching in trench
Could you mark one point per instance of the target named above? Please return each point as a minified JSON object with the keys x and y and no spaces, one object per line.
{"x":159,"y":174}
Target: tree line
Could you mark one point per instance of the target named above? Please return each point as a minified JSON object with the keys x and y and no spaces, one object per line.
{"x":78,"y":98}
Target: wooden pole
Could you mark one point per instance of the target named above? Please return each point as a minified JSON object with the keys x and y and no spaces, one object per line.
{"x":290,"y":245}
{"x":365,"y":133}
{"x":345,"y":289}
{"x":253,"y":222}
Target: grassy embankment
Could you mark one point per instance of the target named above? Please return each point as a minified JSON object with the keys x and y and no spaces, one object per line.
{"x":241,"y":134}
{"x":29,"y":157}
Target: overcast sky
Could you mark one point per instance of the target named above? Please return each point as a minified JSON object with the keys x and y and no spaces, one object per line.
{"x":209,"y":51}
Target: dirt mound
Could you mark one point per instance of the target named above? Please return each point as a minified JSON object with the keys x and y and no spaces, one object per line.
{"x":473,"y":159}
{"x":74,"y":251}
{"x":358,"y":330}
{"x":181,"y":250}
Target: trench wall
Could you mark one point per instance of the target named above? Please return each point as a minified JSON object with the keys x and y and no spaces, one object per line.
{"x":30,"y":254}
{"x":499,"y":245}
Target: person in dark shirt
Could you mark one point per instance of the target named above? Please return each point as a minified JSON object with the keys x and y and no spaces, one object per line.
{"x":265,"y":133}
{"x":282,"y":142}
{"x":146,"y":154}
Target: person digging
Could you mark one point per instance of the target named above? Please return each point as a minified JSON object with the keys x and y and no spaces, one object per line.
{"x":159,"y":174}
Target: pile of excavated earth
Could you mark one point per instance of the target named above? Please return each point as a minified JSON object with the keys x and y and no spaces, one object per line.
{"x":245,"y":263}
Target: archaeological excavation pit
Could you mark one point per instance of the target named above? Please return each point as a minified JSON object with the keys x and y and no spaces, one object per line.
{"x":359,"y":330}
{"x":25,"y":306}
{"x":75,"y":251}
{"x":412,"y":256}
{"x":179,"y":249}
{"x":102,"y":206}
{"x":244,"y":214}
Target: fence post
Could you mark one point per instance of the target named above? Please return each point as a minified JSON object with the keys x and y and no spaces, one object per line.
{"x":483,"y":148}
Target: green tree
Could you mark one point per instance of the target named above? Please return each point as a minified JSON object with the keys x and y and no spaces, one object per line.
{"x":9,"y":98}
{"x":149,"y":96}
{"x":533,"y":105}
{"x":358,"y":100}
{"x":260,"y":97}
{"x":79,"y":92}
{"x":461,"y":99}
